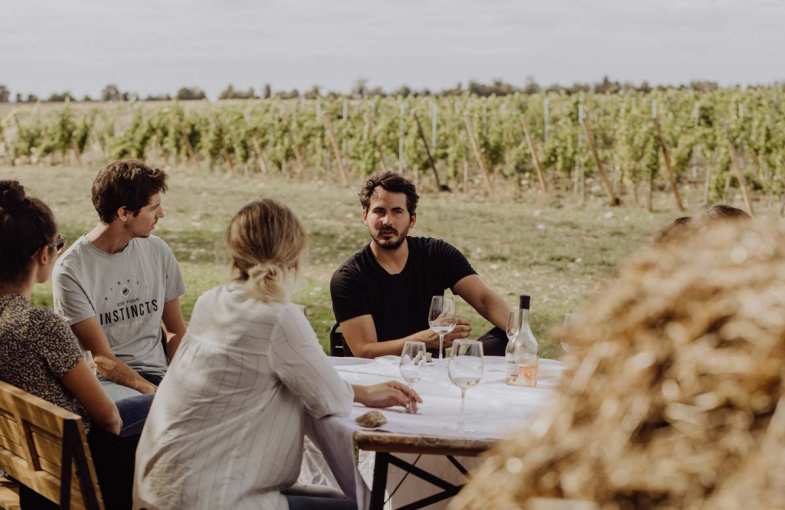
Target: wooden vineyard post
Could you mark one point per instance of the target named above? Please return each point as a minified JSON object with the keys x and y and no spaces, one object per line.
{"x":535,"y":155}
{"x":476,"y":151}
{"x":466,"y":177}
{"x":707,"y":175}
{"x":434,"y":124}
{"x":298,"y":159}
{"x":421,"y":134}
{"x":668,"y":167}
{"x":613,"y":200}
{"x":742,"y":180}
{"x":401,"y":134}
{"x":261,"y":159}
{"x":336,"y":149}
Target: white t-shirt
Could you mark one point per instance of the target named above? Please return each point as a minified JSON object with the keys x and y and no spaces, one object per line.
{"x":124,"y":291}
{"x":226,"y":427}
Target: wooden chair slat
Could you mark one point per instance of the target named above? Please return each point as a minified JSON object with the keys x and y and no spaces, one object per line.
{"x":10,"y":434}
{"x":33,"y":435}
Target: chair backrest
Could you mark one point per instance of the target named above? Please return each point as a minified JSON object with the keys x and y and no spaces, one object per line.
{"x":44,"y":447}
{"x":338,"y":345}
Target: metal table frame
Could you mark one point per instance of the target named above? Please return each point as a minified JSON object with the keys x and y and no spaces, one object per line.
{"x":385,"y":445}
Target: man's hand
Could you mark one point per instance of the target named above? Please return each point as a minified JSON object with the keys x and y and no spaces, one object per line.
{"x":113,"y":369}
{"x":462,"y":329}
{"x":387,"y":394}
{"x":93,"y":339}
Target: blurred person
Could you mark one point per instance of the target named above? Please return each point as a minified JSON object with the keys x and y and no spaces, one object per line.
{"x":726,"y":212}
{"x":717,"y":212}
{"x":674,"y":390}
{"x":117,"y":283}
{"x":40,"y":355}
{"x":382,"y":293}
{"x":226,"y":427}
{"x":673,"y":230}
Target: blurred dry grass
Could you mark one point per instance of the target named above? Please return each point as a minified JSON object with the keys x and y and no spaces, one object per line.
{"x":673,"y":393}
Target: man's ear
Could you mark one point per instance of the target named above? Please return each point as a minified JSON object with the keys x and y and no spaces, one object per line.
{"x":365,"y":214}
{"x":123,"y":214}
{"x":413,"y":220}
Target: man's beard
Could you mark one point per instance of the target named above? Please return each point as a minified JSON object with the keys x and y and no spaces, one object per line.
{"x":390,"y":245}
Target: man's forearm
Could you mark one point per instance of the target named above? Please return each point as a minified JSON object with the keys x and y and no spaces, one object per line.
{"x":172,"y":344}
{"x":118,"y":372}
{"x":496,"y":311}
{"x":376,"y":349}
{"x":395,"y":346}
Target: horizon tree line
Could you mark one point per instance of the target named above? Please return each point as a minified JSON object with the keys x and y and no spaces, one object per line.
{"x":361,"y":89}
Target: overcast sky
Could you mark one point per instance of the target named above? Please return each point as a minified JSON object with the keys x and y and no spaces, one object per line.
{"x":157,"y":46}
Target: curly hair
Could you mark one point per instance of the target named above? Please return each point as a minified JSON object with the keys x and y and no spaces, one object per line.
{"x":672,"y":395}
{"x":126,"y":183}
{"x":394,"y":183}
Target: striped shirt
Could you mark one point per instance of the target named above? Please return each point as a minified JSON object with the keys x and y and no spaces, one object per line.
{"x":226,"y":427}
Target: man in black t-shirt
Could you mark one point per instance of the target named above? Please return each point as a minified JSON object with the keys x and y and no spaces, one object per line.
{"x":381,"y":295}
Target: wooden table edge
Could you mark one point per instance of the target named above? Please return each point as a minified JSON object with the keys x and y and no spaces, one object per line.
{"x":391,"y":442}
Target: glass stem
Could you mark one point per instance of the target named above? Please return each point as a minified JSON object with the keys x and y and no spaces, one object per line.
{"x":463,"y":406}
{"x":441,"y":345}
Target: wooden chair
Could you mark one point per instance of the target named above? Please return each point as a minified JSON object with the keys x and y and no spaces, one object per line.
{"x":44,"y":447}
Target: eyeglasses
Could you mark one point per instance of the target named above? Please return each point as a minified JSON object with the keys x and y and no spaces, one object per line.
{"x":58,"y":244}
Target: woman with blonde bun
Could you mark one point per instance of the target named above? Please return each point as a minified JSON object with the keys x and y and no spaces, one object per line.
{"x":226,"y":427}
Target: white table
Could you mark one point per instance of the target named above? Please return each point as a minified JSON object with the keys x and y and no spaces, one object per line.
{"x":493,"y":411}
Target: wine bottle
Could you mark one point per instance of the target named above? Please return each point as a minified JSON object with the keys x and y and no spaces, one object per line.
{"x":525,"y":351}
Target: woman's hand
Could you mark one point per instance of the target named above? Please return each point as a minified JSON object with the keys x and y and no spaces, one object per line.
{"x":387,"y":394}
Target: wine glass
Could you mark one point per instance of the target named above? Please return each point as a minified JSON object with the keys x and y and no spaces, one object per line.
{"x":441,"y":318}
{"x":465,"y":368}
{"x":88,"y":357}
{"x":512,"y":330}
{"x":568,"y":318}
{"x":513,"y":324}
{"x":413,"y":358}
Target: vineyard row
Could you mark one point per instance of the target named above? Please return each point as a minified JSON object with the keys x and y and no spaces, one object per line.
{"x":725,"y":139}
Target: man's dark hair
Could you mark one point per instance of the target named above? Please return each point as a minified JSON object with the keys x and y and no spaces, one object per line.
{"x":128,"y":184}
{"x":726,"y":212}
{"x":394,"y":183}
{"x":26,"y":224}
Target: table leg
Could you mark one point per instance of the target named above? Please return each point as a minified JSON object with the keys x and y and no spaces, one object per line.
{"x":380,"y":465}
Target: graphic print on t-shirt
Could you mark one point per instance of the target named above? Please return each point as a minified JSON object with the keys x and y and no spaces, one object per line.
{"x":122,"y":303}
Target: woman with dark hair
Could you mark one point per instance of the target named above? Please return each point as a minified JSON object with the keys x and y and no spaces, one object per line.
{"x":40,"y":355}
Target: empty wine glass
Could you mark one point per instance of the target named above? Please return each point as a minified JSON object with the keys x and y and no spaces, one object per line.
{"x":465,"y":369}
{"x":441,"y":318}
{"x":513,"y":324}
{"x":568,"y":317}
{"x":88,"y":357}
{"x":512,"y":330}
{"x":413,"y":358}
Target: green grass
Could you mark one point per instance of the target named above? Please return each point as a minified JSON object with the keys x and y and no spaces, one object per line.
{"x":547,"y":247}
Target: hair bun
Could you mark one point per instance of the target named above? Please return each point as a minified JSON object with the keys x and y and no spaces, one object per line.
{"x":12,"y":196}
{"x":266,"y":281}
{"x":265,"y":271}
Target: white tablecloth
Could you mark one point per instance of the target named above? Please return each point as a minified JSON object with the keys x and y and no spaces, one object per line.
{"x":493,"y":410}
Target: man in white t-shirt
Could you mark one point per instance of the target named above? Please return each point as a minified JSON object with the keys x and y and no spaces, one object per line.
{"x":116,"y":283}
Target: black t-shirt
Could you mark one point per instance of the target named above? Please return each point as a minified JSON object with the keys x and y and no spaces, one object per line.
{"x":399,"y":302}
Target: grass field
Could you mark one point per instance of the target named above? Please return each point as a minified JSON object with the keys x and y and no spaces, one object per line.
{"x":550,"y":248}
